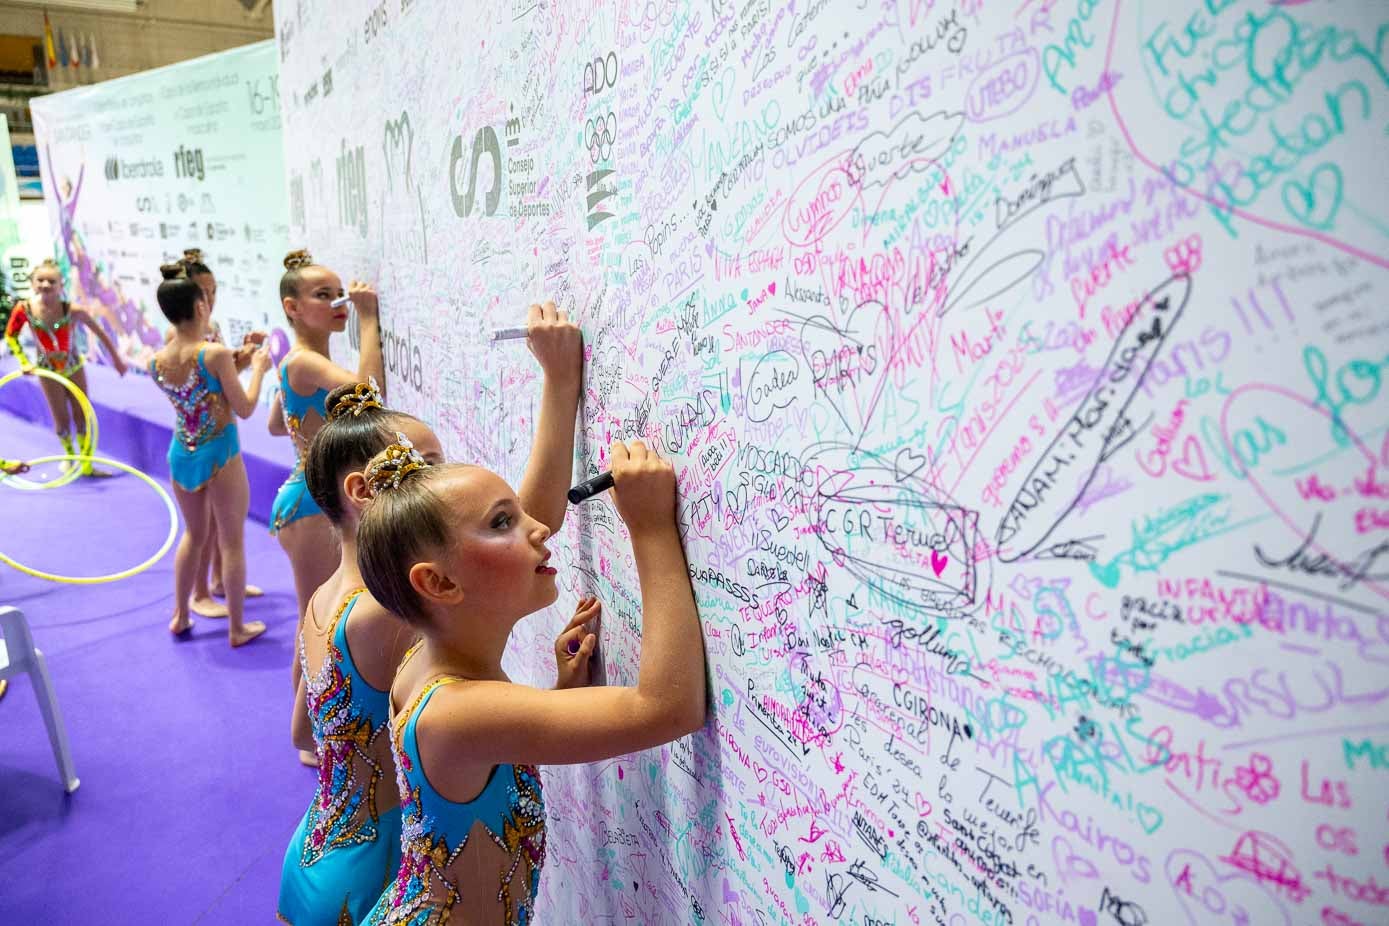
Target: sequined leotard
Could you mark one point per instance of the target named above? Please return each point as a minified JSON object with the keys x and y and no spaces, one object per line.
{"x":293,"y":501}
{"x":55,"y":350}
{"x":205,"y":436}
{"x":344,"y":852}
{"x":477,"y":861}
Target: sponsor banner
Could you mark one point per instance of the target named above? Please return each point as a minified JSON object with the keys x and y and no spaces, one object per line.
{"x":138,"y":169}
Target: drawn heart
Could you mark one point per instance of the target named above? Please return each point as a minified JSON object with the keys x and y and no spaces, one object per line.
{"x":760,"y":772}
{"x":771,"y":288}
{"x":709,"y":248}
{"x":722,"y":93}
{"x":938,"y":562}
{"x":1186,"y":465}
{"x":907,"y":464}
{"x":1150,"y":818}
{"x":849,"y":362}
{"x":778,"y":519}
{"x":1321,"y":195}
{"x":923,"y":806}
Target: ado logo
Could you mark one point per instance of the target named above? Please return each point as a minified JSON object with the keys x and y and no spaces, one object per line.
{"x":600,"y":74}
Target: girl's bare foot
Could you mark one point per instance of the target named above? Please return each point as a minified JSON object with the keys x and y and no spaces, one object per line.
{"x":252,"y":591}
{"x":180,"y":625}
{"x":249,"y":631}
{"x":308,"y":758}
{"x":207,"y":607}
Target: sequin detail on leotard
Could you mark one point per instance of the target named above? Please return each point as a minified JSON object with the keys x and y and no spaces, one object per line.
{"x":511,"y":809}
{"x":195,"y":405}
{"x":343,"y":812}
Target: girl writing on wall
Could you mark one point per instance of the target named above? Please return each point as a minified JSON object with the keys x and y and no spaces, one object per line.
{"x":205,"y":465}
{"x":307,"y":375}
{"x":347,"y":846}
{"x":204,"y":589}
{"x":453,"y":552}
{"x":57,"y":327}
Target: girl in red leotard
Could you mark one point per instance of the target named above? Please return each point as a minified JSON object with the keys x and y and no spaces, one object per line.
{"x":54,"y":321}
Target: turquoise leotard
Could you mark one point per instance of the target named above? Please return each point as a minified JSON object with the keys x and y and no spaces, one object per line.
{"x":344,"y":852}
{"x":205,"y":438}
{"x":437,"y":849}
{"x":293,"y":501}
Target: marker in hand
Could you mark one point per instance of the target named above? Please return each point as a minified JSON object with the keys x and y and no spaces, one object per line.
{"x":510,"y":334}
{"x":590,"y":487}
{"x":345,"y":299}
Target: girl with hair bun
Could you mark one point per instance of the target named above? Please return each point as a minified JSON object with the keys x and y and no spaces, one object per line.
{"x":347,"y":846}
{"x":205,"y":465}
{"x":205,"y":588}
{"x":454,"y":553}
{"x":55,"y":322}
{"x":307,"y":375}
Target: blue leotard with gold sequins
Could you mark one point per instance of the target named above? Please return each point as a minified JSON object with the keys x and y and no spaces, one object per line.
{"x":205,"y":436}
{"x":345,"y":850}
{"x":293,"y":501}
{"x":441,"y":852}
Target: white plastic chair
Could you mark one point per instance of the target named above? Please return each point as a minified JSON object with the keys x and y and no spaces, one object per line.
{"x":19,"y":654}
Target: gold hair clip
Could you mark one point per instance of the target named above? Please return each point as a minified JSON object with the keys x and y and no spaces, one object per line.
{"x":394,"y":463}
{"x":365,"y":395}
{"x":298,"y":260}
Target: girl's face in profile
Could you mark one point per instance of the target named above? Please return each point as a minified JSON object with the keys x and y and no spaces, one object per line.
{"x":497,"y":554}
{"x":312,"y":307}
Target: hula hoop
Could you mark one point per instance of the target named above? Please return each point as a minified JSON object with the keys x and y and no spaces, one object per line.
{"x":88,"y":443}
{"x":115,"y":576}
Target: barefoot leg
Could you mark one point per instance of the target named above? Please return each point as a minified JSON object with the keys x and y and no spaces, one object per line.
{"x":202,"y":595}
{"x":231,"y":498}
{"x":194,"y":506}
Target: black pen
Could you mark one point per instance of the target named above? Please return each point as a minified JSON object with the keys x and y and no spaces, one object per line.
{"x":590,"y":487}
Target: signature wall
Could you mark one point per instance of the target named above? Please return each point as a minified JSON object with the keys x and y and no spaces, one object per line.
{"x":1023,"y":365}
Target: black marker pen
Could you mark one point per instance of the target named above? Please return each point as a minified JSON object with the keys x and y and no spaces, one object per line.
{"x":590,"y":487}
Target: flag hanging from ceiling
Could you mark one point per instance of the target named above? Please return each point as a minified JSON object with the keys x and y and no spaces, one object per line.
{"x":62,"y":49}
{"x":91,"y":44}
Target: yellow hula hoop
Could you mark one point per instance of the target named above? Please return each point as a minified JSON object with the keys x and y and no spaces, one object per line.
{"x":88,"y":444}
{"x":115,"y":576}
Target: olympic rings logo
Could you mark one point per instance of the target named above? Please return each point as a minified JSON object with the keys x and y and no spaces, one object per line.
{"x":599,"y":136}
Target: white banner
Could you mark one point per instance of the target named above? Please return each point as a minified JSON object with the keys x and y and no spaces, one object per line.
{"x":1022,"y":365}
{"x":137,"y":169}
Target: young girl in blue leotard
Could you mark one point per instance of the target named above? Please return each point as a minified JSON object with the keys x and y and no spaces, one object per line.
{"x":347,"y":846}
{"x":452,"y":551}
{"x":205,"y":466}
{"x":204,"y":590}
{"x":307,"y":375}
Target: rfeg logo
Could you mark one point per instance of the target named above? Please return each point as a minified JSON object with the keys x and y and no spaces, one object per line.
{"x":188,"y":163}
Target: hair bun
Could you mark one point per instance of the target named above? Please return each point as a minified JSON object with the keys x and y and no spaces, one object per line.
{"x":389,"y":468}
{"x":357,"y":399}
{"x":175,"y":271}
{"x":193,"y":255}
{"x":298,"y":260}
